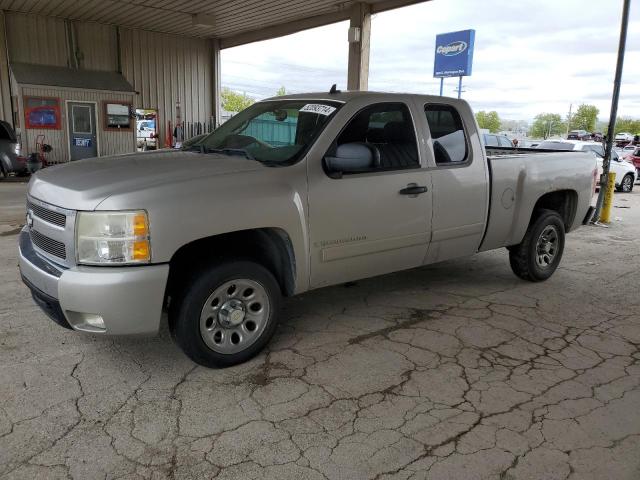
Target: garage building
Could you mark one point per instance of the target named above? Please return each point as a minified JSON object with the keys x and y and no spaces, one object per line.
{"x":70,"y":71}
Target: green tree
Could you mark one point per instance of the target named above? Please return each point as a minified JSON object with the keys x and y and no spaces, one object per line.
{"x":546,"y":125}
{"x":626,"y":124}
{"x":488,"y":120}
{"x":281,"y":91}
{"x":585,"y":118}
{"x":233,"y":101}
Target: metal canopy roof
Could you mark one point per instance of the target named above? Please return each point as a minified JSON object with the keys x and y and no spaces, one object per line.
{"x":233,"y":21}
{"x":28,"y":74}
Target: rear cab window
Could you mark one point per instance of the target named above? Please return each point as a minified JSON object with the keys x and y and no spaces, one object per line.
{"x":447,"y":135}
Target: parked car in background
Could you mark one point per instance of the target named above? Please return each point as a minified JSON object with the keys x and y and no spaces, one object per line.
{"x":623,"y":137}
{"x":10,"y":161}
{"x":493,"y":140}
{"x":625,"y":171}
{"x":628,"y":149}
{"x":579,"y":135}
{"x":634,"y":157}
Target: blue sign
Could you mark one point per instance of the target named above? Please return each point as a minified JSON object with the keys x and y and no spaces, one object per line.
{"x":81,"y":142}
{"x":454,"y":54}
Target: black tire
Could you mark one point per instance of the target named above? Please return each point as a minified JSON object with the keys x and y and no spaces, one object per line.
{"x":3,"y":172}
{"x":626,"y":184}
{"x":186,"y":309}
{"x":524,"y":257}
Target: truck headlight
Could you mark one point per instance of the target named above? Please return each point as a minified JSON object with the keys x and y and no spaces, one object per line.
{"x":113,"y":238}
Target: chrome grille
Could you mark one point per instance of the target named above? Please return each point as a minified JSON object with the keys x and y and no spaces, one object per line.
{"x":49,"y":245}
{"x":55,"y":218}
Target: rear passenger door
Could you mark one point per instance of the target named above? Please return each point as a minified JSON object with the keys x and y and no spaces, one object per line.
{"x":460,"y":181}
{"x":367,"y":223}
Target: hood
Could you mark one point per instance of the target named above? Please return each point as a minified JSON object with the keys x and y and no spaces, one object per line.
{"x":84,"y":184}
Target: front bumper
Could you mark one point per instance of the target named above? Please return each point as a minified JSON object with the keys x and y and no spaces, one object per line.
{"x":128,"y":299}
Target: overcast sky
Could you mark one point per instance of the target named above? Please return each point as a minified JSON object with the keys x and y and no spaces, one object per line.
{"x":531,"y":56}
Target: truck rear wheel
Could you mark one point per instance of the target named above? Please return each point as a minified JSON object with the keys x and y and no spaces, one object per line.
{"x":226,"y":314}
{"x":539,"y":254}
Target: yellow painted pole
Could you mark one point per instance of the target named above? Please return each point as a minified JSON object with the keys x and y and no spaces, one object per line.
{"x":605,"y":216}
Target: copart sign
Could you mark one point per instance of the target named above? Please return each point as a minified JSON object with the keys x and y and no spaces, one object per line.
{"x":454,"y":54}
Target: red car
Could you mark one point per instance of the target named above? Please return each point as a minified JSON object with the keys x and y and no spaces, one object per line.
{"x":634,"y":157}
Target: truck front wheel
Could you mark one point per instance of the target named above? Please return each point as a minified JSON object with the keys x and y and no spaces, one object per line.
{"x":538,"y":255}
{"x":226,"y":314}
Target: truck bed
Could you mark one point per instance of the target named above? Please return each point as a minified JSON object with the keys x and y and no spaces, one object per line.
{"x":520,"y":176}
{"x":502,"y":151}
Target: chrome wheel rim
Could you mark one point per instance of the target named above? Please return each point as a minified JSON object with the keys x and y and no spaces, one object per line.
{"x":626,"y":184}
{"x":234,"y":316}
{"x":547,"y":246}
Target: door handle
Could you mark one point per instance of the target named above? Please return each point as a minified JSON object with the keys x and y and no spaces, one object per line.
{"x":413,"y":189}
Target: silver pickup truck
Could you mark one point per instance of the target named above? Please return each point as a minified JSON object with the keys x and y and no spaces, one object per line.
{"x":292,"y":194}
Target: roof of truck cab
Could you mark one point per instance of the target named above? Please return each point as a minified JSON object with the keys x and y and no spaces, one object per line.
{"x":347,"y":95}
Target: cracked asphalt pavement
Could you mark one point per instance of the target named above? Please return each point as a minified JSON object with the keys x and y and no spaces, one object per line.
{"x":454,"y":371}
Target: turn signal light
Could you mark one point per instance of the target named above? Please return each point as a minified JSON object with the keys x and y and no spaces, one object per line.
{"x":141,"y":250}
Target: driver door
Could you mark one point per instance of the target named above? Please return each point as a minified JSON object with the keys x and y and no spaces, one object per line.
{"x":367,"y":223}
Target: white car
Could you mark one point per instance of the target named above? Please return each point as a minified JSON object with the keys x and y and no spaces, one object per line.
{"x":625,"y":171}
{"x":623,"y":137}
{"x":147,"y":139}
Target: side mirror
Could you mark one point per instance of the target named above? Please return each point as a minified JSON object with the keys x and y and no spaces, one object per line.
{"x":351,"y":158}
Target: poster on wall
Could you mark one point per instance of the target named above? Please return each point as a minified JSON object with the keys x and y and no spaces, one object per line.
{"x":42,"y":113}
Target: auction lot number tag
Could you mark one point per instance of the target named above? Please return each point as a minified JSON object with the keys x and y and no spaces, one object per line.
{"x":318,"y":108}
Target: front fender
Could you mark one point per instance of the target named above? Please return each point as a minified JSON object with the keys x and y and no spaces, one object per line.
{"x":188,"y":211}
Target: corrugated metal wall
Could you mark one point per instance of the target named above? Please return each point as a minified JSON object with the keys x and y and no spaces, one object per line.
{"x":109,"y":142}
{"x":34,"y":39}
{"x":5,"y":82}
{"x":97,"y":45}
{"x":163,"y":68}
{"x":166,"y":69}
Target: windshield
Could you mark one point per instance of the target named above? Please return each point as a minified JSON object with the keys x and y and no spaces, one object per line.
{"x":275,"y":132}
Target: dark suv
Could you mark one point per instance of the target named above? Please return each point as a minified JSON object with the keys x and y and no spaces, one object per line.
{"x":579,"y":135}
{"x":9,"y":161}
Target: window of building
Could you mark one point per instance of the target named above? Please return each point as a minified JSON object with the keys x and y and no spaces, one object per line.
{"x":117,"y":116}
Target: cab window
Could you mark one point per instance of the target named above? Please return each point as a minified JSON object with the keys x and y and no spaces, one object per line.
{"x":387,"y":131}
{"x":447,"y":134}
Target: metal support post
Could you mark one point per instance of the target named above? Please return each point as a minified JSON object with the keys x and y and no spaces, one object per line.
{"x":606,"y":162}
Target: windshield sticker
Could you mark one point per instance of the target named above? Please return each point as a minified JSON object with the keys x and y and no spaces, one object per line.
{"x":318,"y":108}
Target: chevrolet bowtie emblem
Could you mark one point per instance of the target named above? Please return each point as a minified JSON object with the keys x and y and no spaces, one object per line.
{"x":30,"y":218}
